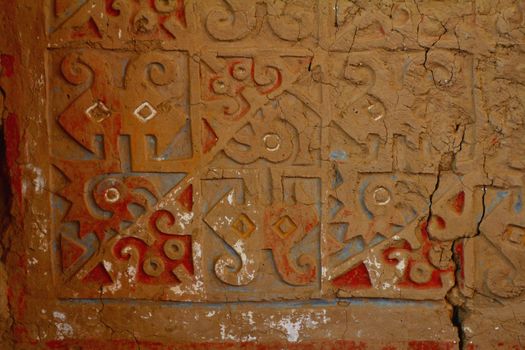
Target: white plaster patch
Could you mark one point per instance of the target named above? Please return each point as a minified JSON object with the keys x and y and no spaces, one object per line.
{"x":248,"y":337}
{"x":226,"y":335}
{"x":244,"y":274}
{"x":41,"y":233}
{"x":230,"y":198}
{"x":375,"y":269}
{"x":386,"y":285}
{"x":324,"y":272}
{"x":63,"y":329}
{"x":292,"y":325}
{"x":38,"y":181}
{"x":132,"y":273}
{"x":115,"y":286}
{"x":401,"y":266}
{"x":184,"y":219}
{"x":59,"y":315}
{"x":107,"y":265}
{"x":248,"y":316}
{"x":145,"y":317}
{"x":197,"y":250}
{"x":221,"y":222}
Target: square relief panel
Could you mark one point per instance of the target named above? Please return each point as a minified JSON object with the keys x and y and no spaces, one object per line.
{"x":121,"y":142}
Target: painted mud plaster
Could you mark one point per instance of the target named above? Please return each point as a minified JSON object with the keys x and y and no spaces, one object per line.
{"x":228,"y":172}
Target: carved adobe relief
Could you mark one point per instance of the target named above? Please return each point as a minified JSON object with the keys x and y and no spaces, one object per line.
{"x":260,"y":247}
{"x":116,"y":20}
{"x":122,"y":140}
{"x":231,"y":20}
{"x":262,"y":183}
{"x":395,"y":25}
{"x":499,"y":271}
{"x":214,"y":167}
{"x":496,"y":254}
{"x":385,"y":153}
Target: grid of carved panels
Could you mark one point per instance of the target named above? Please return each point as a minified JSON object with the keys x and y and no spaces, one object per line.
{"x":261,"y":150}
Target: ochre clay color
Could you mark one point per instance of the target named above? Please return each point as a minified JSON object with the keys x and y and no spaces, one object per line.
{"x":262,"y":174}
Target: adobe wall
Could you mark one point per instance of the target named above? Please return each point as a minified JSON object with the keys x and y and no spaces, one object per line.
{"x":220,"y":174}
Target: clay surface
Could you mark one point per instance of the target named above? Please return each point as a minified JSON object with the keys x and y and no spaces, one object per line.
{"x":263,"y":174}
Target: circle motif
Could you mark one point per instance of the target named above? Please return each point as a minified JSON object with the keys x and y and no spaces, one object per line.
{"x":174,"y":249}
{"x":153,"y":266}
{"x":240,"y":72}
{"x":381,"y":196}
{"x":112,"y":195}
{"x":272,"y":142}
{"x":219,"y":87}
{"x":420,"y":272}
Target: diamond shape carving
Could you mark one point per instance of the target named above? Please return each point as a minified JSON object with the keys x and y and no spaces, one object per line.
{"x":98,"y":112}
{"x":145,"y":112}
{"x":285,"y":226}
{"x":243,"y":226}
